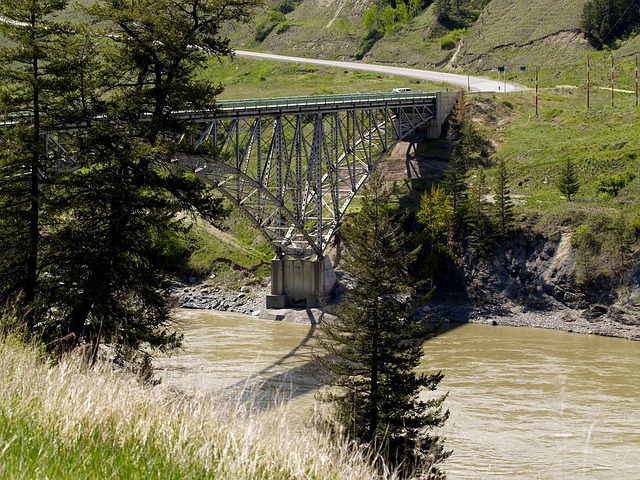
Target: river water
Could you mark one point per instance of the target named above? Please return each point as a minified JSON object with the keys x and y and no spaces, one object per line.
{"x":524,"y":403}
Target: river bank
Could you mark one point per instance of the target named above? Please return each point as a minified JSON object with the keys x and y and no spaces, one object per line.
{"x":620,"y":321}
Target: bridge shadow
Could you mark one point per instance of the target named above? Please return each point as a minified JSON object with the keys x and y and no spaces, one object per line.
{"x":296,"y":374}
{"x":288,"y":378}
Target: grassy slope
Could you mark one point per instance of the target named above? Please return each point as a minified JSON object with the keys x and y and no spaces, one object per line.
{"x":415,"y":44}
{"x":315,"y":30}
{"x":66,"y":422}
{"x":525,"y":32}
{"x":600,"y":141}
{"x":248,"y":78}
{"x":511,"y":32}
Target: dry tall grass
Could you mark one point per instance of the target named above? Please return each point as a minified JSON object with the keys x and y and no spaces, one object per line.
{"x":110,"y":411}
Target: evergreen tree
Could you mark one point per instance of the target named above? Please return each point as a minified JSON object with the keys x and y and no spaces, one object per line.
{"x":588,"y":250}
{"x":568,"y":183}
{"x":124,"y":236}
{"x":29,"y":89}
{"x":443,"y":10}
{"x":458,"y":118}
{"x":373,"y":348}
{"x":113,"y":222}
{"x":622,"y":240}
{"x":462,"y":133}
{"x":478,"y":214}
{"x":606,"y":20}
{"x":503,"y":203}
{"x":455,"y":184}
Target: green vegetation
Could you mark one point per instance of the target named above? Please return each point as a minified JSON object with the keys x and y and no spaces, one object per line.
{"x":610,"y":186}
{"x":436,"y":217}
{"x":606,"y":21}
{"x":372,"y":349}
{"x":274,"y":19}
{"x":503,"y":201}
{"x":565,"y":147}
{"x":87,"y":252}
{"x":384,"y":18}
{"x":67,"y":421}
{"x":246,"y":78}
{"x":451,"y":39}
{"x":568,"y":183}
{"x":234,"y":254}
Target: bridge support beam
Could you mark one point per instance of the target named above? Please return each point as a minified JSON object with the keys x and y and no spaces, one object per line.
{"x":300,"y":283}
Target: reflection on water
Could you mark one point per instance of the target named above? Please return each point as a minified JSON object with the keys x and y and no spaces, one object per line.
{"x":525,"y":403}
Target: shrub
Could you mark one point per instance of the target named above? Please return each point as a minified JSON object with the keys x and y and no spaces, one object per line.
{"x":366,"y":42}
{"x":588,"y":247}
{"x":611,"y":186}
{"x":266,"y":26}
{"x":450,"y":40}
{"x":282,"y":27}
{"x":634,"y":225}
{"x":284,"y":6}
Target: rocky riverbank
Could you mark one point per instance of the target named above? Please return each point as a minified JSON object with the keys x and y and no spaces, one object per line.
{"x":620,"y":322}
{"x":247,"y":300}
{"x":614,"y":321}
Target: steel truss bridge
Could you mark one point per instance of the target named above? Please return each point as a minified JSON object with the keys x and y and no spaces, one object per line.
{"x":293,"y":165}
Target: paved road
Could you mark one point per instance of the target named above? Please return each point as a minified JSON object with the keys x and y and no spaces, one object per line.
{"x":473,"y":83}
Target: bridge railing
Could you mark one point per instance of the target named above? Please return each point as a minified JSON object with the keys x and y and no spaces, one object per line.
{"x":311,"y":100}
{"x":227,"y":106}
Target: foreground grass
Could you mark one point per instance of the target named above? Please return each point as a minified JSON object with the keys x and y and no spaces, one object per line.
{"x":65,"y":422}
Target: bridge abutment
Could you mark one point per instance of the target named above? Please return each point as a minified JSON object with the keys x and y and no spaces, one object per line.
{"x":300,"y":283}
{"x":443,"y":106}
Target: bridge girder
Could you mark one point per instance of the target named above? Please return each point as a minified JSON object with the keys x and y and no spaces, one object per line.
{"x":292,"y":165}
{"x":294,"y":172}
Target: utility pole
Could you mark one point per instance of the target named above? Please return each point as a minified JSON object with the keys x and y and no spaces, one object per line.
{"x":536,"y":91}
{"x":588,"y":74}
{"x":505,"y":79}
{"x":612,"y":79}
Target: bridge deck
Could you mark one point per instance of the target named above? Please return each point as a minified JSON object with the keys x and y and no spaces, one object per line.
{"x":316,"y":103}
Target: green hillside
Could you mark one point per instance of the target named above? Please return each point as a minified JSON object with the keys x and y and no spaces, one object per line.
{"x":535,"y":33}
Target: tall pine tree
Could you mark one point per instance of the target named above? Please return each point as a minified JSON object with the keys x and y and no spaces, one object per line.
{"x":435,"y":215}
{"x":455,"y":184}
{"x":123,"y":235}
{"x":568,"y":183}
{"x":373,"y":348}
{"x":29,"y":92}
{"x":502,"y":201}
{"x":113,"y":228}
{"x":479,"y":214}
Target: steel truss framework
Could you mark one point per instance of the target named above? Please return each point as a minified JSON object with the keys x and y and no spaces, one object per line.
{"x":294,"y":169}
{"x":293,"y":165}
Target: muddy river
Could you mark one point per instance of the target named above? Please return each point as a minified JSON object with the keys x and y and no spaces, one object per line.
{"x":525,"y":403}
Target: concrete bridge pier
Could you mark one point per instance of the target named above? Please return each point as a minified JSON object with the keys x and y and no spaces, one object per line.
{"x":443,"y":106}
{"x":300,"y":283}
